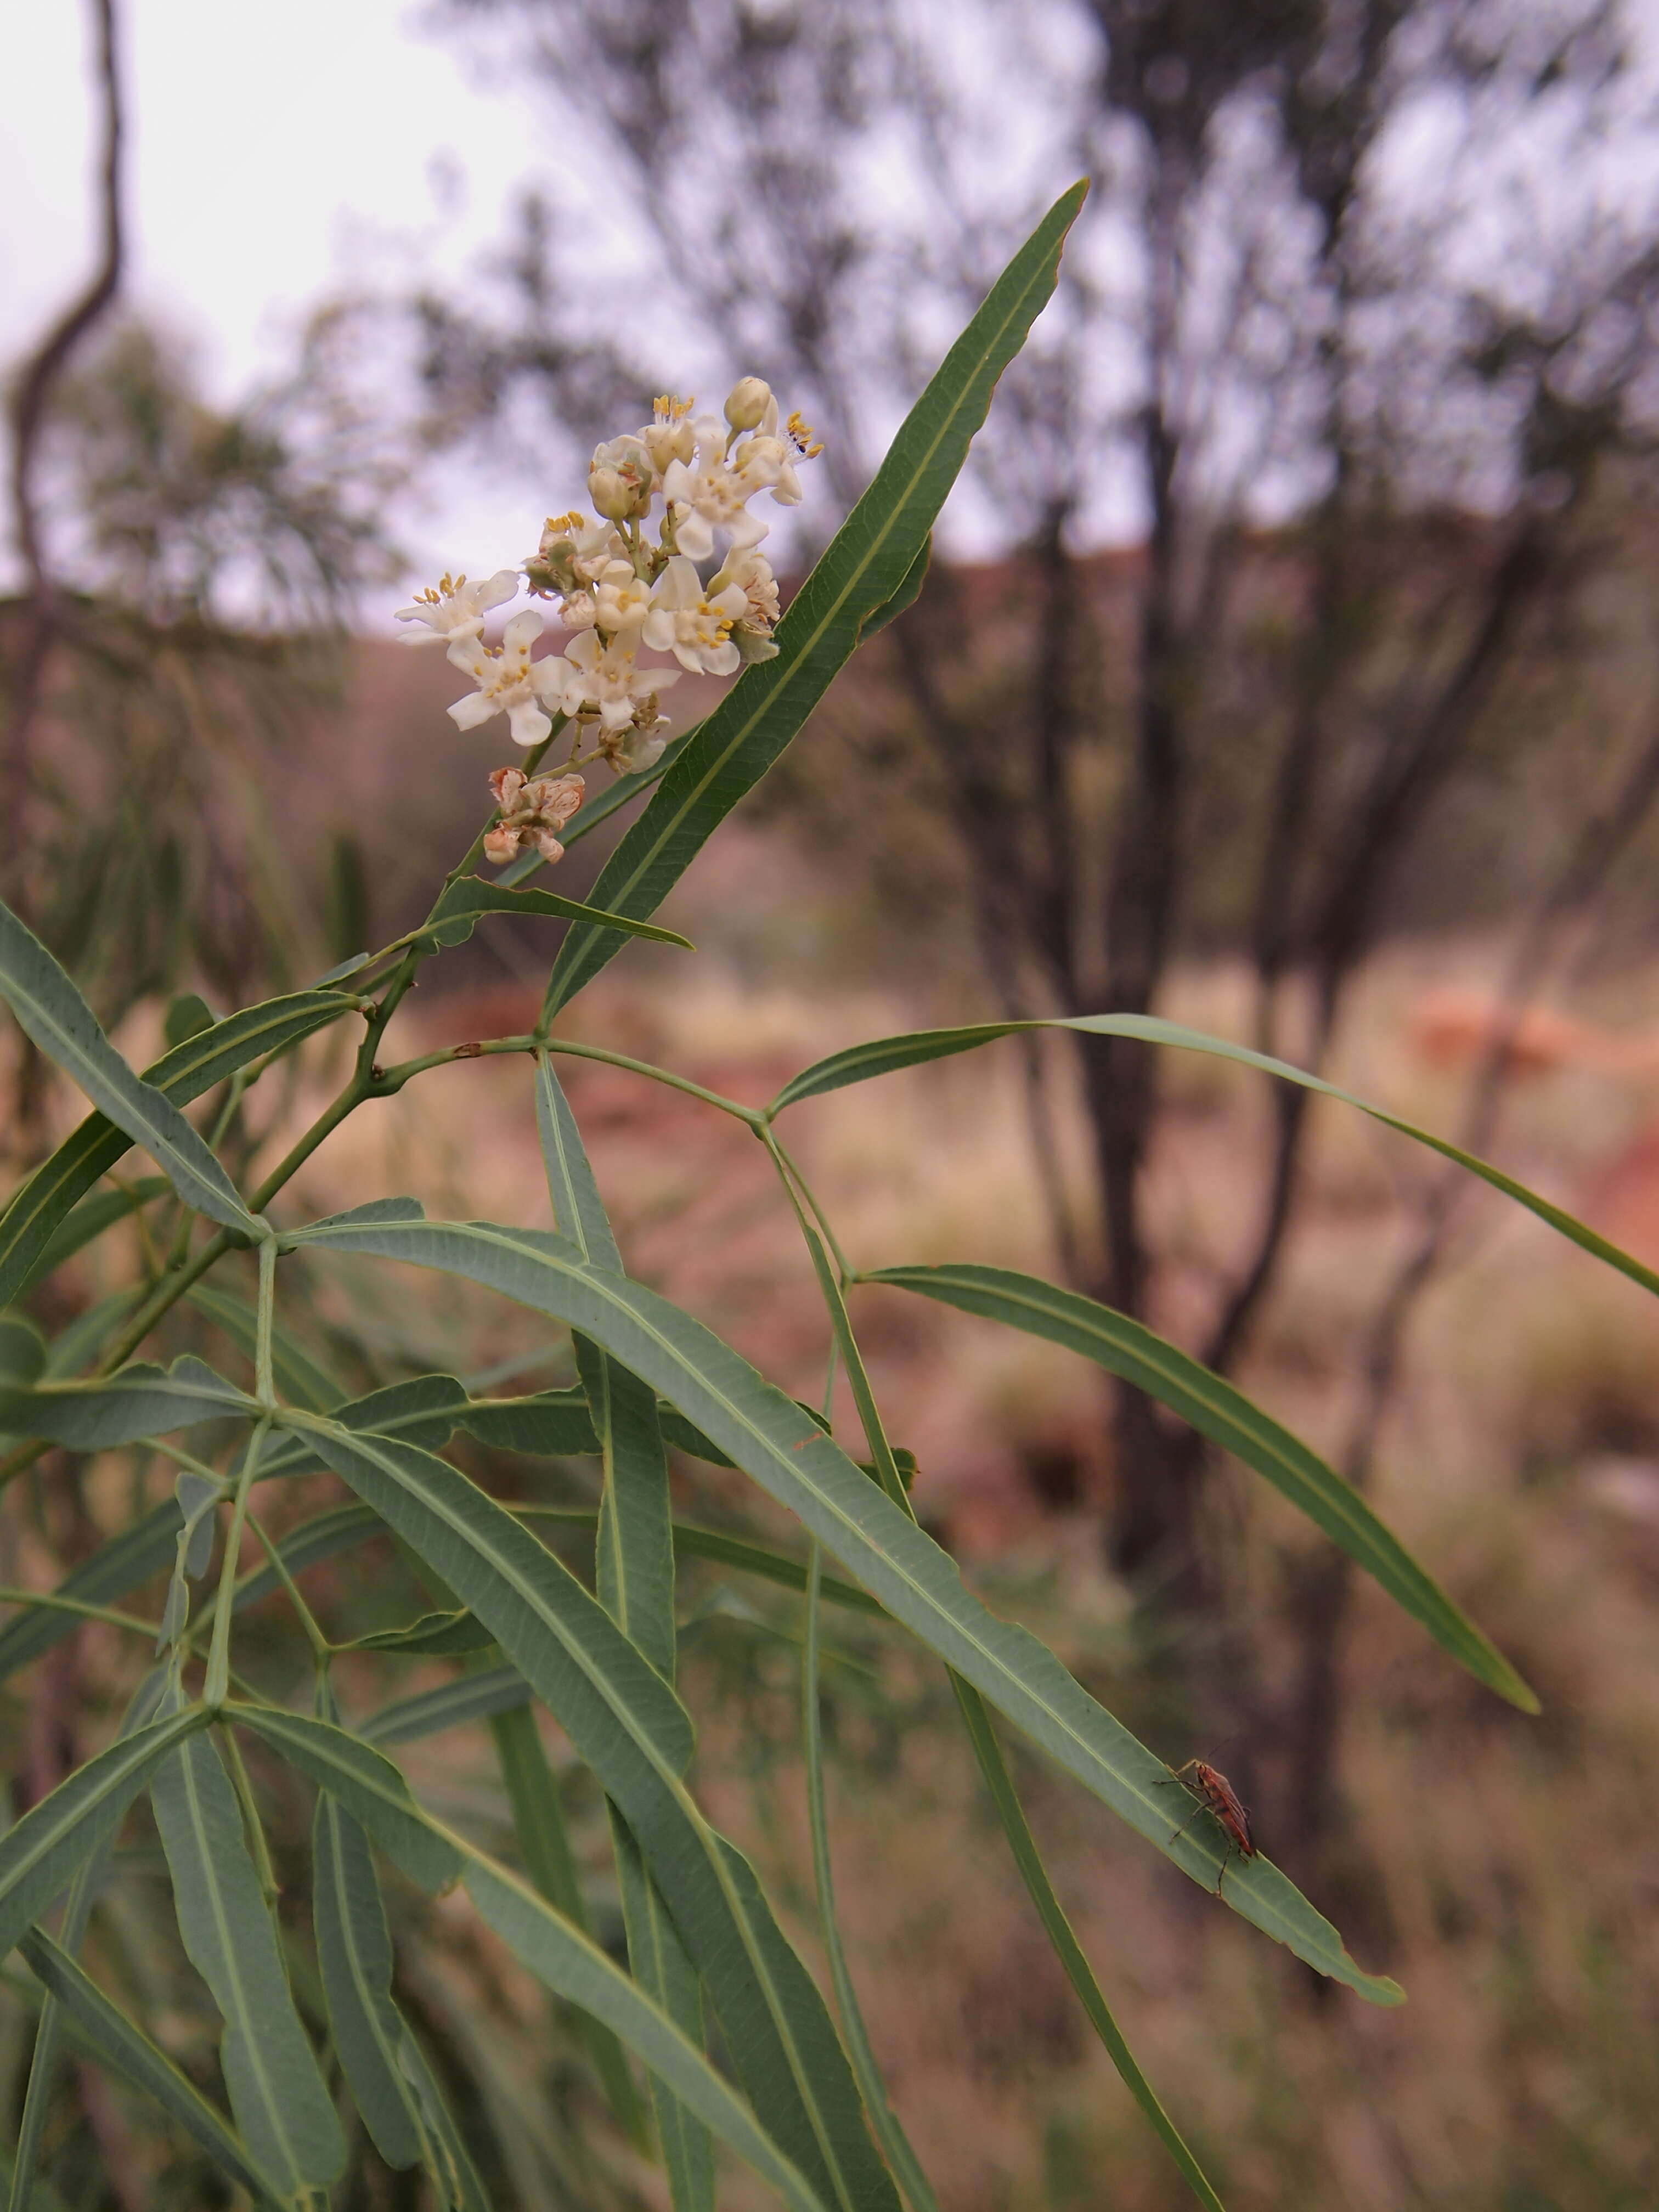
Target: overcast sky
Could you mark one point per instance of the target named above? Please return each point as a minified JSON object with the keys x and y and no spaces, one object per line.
{"x":273,"y":150}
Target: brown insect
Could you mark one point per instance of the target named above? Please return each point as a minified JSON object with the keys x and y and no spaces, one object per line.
{"x":1216,"y":1796}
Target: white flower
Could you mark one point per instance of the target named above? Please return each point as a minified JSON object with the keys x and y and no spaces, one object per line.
{"x":607,"y":678}
{"x":668,"y":436}
{"x":750,"y":573}
{"x":620,"y":600}
{"x":508,"y":682}
{"x":573,"y":545}
{"x":711,"y":496}
{"x":692,"y":626}
{"x":533,"y":814}
{"x":453,"y":609}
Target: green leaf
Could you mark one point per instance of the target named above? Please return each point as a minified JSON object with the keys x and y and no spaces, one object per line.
{"x":186,"y":1017}
{"x":465,"y":903}
{"x":51,"y":1010}
{"x":32,"y":1221}
{"x":858,"y":1063}
{"x":298,"y":1375}
{"x":544,"y":1841}
{"x":635,"y":1562}
{"x":455,"y":1704}
{"x":1067,"y":1949}
{"x":141,"y":1400}
{"x":276,"y":2091}
{"x":354,"y":1953}
{"x":784,"y":1451}
{"x":114,"y":1569}
{"x":558,"y":1425}
{"x":627,"y":1725}
{"x":435,"y":1635}
{"x":1228,"y":1418}
{"x":901,"y":2156}
{"x":87,"y":1221}
{"x":38,"y":1856}
{"x":363,"y":1779}
{"x":78,"y":1911}
{"x":560,"y":1955}
{"x":129,"y":2052}
{"x":909,"y":593}
{"x":869,"y":563}
{"x":22,"y":1352}
{"x":426,"y":1411}
{"x":694,"y":1543}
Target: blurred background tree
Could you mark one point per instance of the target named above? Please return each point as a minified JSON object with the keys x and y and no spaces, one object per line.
{"x":1357,"y":343}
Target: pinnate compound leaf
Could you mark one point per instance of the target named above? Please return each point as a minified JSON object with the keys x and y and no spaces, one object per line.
{"x":282,"y":2108}
{"x":541,"y":1938}
{"x":858,"y":1062}
{"x":627,"y":1725}
{"x":141,"y":1400}
{"x":1228,"y":1418}
{"x":31,"y":1222}
{"x":39,"y":1857}
{"x":126,"y":2050}
{"x":51,"y":1010}
{"x":869,"y":563}
{"x":789,"y":1456}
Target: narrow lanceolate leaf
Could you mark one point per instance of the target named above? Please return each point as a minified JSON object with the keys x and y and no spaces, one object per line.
{"x":426,"y":1411}
{"x":276,"y":2090}
{"x":459,"y":911}
{"x":635,"y":1562}
{"x":858,"y":1062}
{"x":39,"y":1857}
{"x":627,"y":1725}
{"x":128,"y":2052}
{"x":146,"y":1703}
{"x":556,"y":1425}
{"x":87,"y":1221}
{"x":354,"y":1953}
{"x":1226,"y":1416}
{"x":141,"y":1400}
{"x":781,"y":1449}
{"x":31,"y":1221}
{"x":114,"y":1569}
{"x":543,"y":1840}
{"x":869,"y":563}
{"x":454,"y":1704}
{"x":51,"y":1010}
{"x":635,"y":1543}
{"x":1067,"y":1949}
{"x":560,"y":1955}
{"x":694,"y":1543}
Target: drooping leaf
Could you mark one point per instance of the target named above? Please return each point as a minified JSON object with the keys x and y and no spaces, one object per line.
{"x":1067,"y":1949}
{"x":543,"y":1840}
{"x":51,"y":1010}
{"x":869,"y":563}
{"x":465,"y":903}
{"x":130,"y":2052}
{"x":775,"y":1443}
{"x":858,"y":1062}
{"x":1227,"y":1416}
{"x":426,"y":1411}
{"x":32,"y":1221}
{"x":367,"y":1784}
{"x":560,"y":1955}
{"x":39,"y":1857}
{"x":634,"y":1562}
{"x":435,"y":1635}
{"x":141,"y":1400}
{"x":627,"y":1725}
{"x":282,"y":2108}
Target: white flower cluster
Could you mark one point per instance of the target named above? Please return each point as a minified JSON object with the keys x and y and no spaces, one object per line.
{"x":621,"y":592}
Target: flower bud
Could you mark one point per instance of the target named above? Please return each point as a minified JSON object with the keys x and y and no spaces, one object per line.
{"x":501,"y":845}
{"x":747,"y":401}
{"x":612,"y":494}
